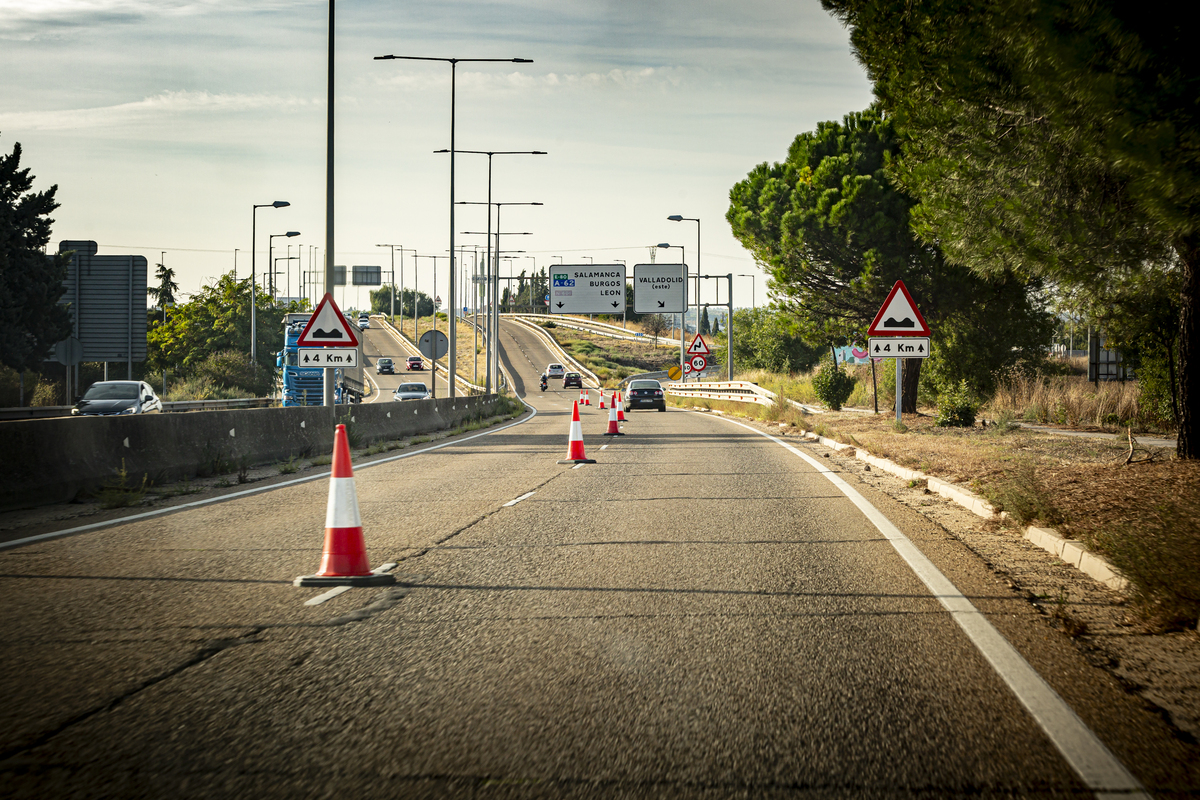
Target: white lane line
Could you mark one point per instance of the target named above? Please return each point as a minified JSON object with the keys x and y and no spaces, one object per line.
{"x":1095,"y":764}
{"x":334,"y":592}
{"x":603,"y":446}
{"x":577,"y":466}
{"x":158,"y":512}
{"x":525,"y":496}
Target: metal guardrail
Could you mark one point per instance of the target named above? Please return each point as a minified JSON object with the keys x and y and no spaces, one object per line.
{"x":175,"y":406}
{"x":735,"y":391}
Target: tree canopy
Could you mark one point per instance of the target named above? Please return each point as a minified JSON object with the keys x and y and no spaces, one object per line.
{"x":834,"y":232}
{"x":217,"y":319}
{"x":31,"y":283}
{"x":1055,"y":137}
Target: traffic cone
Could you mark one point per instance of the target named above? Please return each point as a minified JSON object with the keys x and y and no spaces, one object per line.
{"x":620,"y":404}
{"x":344,"y":559}
{"x":587,"y":397}
{"x":601,"y":399}
{"x":613,"y":430}
{"x":580,"y":395}
{"x":575,"y":453}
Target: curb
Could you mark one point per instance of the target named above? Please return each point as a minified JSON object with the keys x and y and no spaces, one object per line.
{"x":1071,"y":551}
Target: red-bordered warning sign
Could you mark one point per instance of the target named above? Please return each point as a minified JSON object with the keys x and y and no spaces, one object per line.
{"x":898,"y":316}
{"x":327,"y":327}
{"x":699,"y":347}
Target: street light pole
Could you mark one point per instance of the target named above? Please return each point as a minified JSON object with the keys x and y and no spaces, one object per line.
{"x":453,"y":62}
{"x":270,"y":249}
{"x":493,"y":356}
{"x":682,"y":346}
{"x":753,"y":296}
{"x":253,"y":272}
{"x":678,"y":218}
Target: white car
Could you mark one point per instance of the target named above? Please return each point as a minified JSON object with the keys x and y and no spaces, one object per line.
{"x":364,"y":322}
{"x":555,"y":371}
{"x":411,"y":391}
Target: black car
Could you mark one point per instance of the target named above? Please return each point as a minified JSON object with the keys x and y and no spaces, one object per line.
{"x":645,"y":394}
{"x":572,"y":379}
{"x":108,"y":398}
{"x":384,"y":366}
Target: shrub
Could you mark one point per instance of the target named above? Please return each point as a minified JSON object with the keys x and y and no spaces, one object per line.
{"x":1022,"y":494}
{"x":1159,"y":559}
{"x":956,"y":406}
{"x":832,"y":386}
{"x":230,"y":369}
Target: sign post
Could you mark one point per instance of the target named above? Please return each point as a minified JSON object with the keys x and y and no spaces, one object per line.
{"x":899,"y":317}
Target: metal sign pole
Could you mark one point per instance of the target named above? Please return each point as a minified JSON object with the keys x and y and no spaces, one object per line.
{"x":327,"y":385}
{"x":899,"y":386}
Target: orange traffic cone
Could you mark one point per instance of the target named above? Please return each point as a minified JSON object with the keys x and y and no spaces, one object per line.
{"x":613,"y":430}
{"x":575,"y":446}
{"x":601,"y":399}
{"x":580,"y":395}
{"x":344,"y":560}
{"x":587,"y":397}
{"x":620,"y":404}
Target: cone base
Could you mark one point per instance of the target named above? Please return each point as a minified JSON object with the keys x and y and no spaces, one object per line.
{"x":374,"y":579}
{"x":578,"y":461}
{"x":615,"y":433}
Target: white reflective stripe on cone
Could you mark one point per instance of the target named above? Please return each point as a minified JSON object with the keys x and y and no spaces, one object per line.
{"x":577,"y":431}
{"x":342,"y":511}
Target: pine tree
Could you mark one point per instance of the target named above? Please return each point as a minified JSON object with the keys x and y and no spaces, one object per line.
{"x":31,"y":320}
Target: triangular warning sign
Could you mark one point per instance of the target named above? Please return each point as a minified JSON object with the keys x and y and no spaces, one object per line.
{"x":327,"y":327}
{"x":898,"y":316}
{"x":699,"y":347}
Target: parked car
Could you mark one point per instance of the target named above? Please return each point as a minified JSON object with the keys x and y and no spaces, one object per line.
{"x":572,"y":379}
{"x":414,"y":362}
{"x":364,"y":322}
{"x":555,"y":371}
{"x":384,"y":366}
{"x":411,"y":391}
{"x":645,"y":394}
{"x":108,"y":398}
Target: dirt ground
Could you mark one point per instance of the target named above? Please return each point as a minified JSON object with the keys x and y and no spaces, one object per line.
{"x":1162,"y":669}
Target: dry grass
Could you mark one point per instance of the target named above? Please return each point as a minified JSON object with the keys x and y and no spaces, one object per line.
{"x":1067,"y":400}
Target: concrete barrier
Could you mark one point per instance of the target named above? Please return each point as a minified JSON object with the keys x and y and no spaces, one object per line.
{"x":53,"y":460}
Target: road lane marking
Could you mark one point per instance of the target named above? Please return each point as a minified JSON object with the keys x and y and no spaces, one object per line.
{"x":525,"y":496}
{"x":1092,"y":761}
{"x":603,"y":446}
{"x":337,"y":590}
{"x":158,"y":512}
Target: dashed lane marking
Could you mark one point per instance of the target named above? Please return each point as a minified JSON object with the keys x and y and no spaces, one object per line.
{"x":525,"y":496}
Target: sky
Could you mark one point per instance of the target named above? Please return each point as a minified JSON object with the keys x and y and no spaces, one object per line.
{"x":163,"y":122}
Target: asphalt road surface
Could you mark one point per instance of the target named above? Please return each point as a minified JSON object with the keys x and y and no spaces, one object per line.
{"x":379,"y":341}
{"x":702,"y":613}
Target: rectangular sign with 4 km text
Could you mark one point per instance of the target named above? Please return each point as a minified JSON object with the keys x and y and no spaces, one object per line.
{"x":328,"y":357}
{"x":906,"y":347}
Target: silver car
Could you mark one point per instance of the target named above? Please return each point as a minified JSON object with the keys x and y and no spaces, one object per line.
{"x":109,"y":398}
{"x":411,"y":391}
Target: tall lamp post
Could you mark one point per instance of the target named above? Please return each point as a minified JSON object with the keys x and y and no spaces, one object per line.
{"x":489,"y":153}
{"x":270,"y":248}
{"x":453,"y":62}
{"x":682,"y":346}
{"x":253,"y":275}
{"x":491,"y":299}
{"x":678,"y":218}
{"x":393,"y":248}
{"x":753,"y":297}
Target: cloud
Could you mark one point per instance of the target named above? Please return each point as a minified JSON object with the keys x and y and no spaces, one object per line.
{"x":613,"y":79}
{"x":167,"y":104}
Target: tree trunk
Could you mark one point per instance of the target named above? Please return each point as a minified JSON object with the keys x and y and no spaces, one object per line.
{"x":911,"y":377}
{"x":1188,"y":249}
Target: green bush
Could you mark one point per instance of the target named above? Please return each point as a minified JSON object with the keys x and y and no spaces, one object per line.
{"x":231,"y":369}
{"x":833,"y":387}
{"x":956,"y":406}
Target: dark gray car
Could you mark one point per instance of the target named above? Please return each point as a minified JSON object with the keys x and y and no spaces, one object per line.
{"x":108,"y":398}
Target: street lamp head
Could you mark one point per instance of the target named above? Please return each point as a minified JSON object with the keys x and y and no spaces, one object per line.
{"x":280,"y":203}
{"x":663,"y":244}
{"x":676,"y":218}
{"x":292,"y":233}
{"x":522,"y":61}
